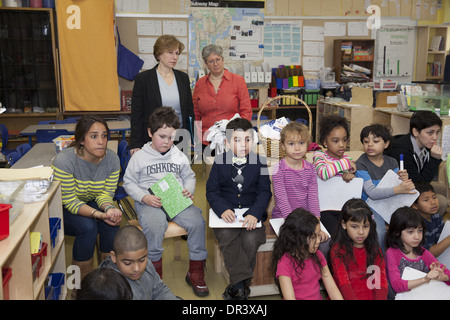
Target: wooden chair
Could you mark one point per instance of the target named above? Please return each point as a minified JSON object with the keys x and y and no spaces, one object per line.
{"x":173,"y":231}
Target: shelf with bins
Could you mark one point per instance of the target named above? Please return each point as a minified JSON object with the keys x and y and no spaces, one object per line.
{"x":358,"y":117}
{"x":431,"y":55}
{"x":353,"y":51}
{"x":29,"y":80}
{"x":15,"y":251}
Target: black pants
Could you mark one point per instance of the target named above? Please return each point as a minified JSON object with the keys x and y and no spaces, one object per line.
{"x":330,"y":220}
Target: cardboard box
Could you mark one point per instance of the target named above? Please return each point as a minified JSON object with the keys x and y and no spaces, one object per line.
{"x":386,"y":99}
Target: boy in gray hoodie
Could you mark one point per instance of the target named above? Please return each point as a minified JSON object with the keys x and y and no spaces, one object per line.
{"x":154,"y":161}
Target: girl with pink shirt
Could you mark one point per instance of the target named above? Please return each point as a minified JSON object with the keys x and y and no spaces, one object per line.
{"x":404,"y":241}
{"x":297,"y":264}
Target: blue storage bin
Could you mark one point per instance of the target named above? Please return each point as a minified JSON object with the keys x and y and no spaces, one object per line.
{"x":55,"y":225}
{"x":53,"y":290}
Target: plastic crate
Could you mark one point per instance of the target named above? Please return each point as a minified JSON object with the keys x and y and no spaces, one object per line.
{"x":285,"y":101}
{"x":12,"y":192}
{"x":38,"y":260}
{"x":312,"y":84}
{"x":55,"y":225}
{"x":63,"y":142}
{"x":310,"y":96}
{"x":4,"y":220}
{"x":6,"y":275}
{"x":53,"y":290}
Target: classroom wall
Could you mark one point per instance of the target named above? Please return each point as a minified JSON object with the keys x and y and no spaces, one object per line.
{"x":319,"y":8}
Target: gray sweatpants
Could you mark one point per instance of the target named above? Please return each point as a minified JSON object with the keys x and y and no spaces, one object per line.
{"x":154,"y":225}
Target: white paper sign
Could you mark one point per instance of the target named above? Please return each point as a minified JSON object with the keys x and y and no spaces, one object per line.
{"x":276,"y":224}
{"x":216,"y":222}
{"x":386,"y":207}
{"x":444,"y":257}
{"x":434,"y":290}
{"x":335,"y":192}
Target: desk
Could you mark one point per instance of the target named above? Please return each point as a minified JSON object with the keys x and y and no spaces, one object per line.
{"x":43,"y":154}
{"x":399,"y":121}
{"x":114,"y":126}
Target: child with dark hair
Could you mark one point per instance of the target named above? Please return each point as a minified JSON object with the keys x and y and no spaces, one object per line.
{"x":355,"y":254}
{"x":404,"y":241}
{"x":105,"y":284}
{"x":129,"y":257}
{"x":373,"y":165}
{"x":427,"y":204}
{"x":296,"y":262}
{"x":238,"y":180}
{"x":421,"y":152}
{"x":147,"y":166}
{"x":331,"y":162}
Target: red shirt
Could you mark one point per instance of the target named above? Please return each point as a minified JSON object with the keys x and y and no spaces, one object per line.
{"x":231,"y":98}
{"x":352,"y":279}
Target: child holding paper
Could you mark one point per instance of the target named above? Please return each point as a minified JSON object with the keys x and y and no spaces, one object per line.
{"x":147,"y":166}
{"x":297,"y":263}
{"x":404,"y":241}
{"x":355,"y":254}
{"x":427,"y":204}
{"x":239,"y":179}
{"x":373,"y":165}
{"x":333,"y":161}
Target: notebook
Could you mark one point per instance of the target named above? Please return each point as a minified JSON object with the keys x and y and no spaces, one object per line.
{"x":170,"y":192}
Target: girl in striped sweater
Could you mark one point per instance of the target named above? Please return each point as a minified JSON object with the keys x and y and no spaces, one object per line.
{"x":333,"y":161}
{"x":294,"y":178}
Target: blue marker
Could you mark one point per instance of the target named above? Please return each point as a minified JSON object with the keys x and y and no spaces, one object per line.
{"x":401,"y":162}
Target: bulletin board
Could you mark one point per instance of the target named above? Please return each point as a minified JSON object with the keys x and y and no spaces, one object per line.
{"x":316,"y":48}
{"x":138,"y":33}
{"x":317,"y":38}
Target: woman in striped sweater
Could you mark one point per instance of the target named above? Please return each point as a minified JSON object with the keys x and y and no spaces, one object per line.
{"x":333,"y":161}
{"x":89,"y":175}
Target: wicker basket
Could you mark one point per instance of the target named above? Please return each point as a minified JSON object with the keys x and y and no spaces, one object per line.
{"x":273,"y":147}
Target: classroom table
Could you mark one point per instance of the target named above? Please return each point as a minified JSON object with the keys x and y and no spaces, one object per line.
{"x":44,"y":153}
{"x":114,"y":126}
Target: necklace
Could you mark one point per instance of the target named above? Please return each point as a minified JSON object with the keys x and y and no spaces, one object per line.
{"x":166,"y":75}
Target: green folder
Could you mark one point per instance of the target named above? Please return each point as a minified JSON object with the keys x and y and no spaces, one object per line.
{"x":171,"y":193}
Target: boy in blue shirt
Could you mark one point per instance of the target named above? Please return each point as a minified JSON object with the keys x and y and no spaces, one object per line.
{"x":239,"y":179}
{"x":427,"y":204}
{"x":372,"y":165}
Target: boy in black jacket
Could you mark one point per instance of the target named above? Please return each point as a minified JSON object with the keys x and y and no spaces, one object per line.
{"x":421,"y":153}
{"x":239,"y":179}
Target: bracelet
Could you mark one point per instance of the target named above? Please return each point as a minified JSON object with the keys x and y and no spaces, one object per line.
{"x":92,"y":214}
{"x":109,"y":207}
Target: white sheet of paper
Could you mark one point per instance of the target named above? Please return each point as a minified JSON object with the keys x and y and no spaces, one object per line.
{"x":216,"y":222}
{"x":335,"y":192}
{"x":434,"y":290}
{"x":444,"y":257}
{"x":386,"y":207}
{"x":276,"y":224}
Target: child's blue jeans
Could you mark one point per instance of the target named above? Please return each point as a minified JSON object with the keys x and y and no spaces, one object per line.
{"x":85,"y":230}
{"x":154,"y":225}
